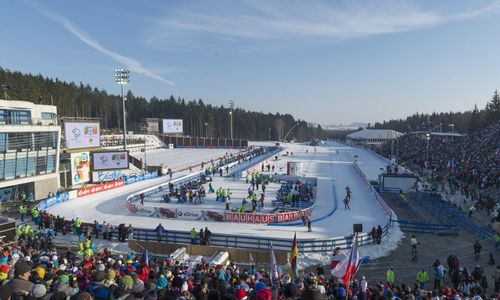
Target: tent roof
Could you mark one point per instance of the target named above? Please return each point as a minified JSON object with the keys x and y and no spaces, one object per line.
{"x":375,"y":134}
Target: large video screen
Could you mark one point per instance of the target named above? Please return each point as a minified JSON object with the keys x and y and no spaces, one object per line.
{"x":172,"y":126}
{"x":109,"y":160}
{"x":82,"y":135}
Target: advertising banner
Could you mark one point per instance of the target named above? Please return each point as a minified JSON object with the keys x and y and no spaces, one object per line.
{"x":172,"y":126}
{"x":80,"y":135}
{"x":80,"y":167}
{"x":181,"y":213}
{"x":99,"y":188}
{"x":265,"y":218}
{"x":106,"y":176}
{"x":140,"y":177}
{"x":49,"y":202}
{"x":109,"y":160}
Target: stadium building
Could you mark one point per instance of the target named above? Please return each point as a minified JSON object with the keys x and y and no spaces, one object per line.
{"x":372,"y":137}
{"x":29,"y":149}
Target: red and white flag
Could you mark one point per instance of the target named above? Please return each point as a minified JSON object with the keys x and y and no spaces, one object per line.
{"x":345,"y":266}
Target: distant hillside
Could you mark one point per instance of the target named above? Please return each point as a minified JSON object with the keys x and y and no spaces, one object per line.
{"x":79,"y":100}
{"x":468,"y":121}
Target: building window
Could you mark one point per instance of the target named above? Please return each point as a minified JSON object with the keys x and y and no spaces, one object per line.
{"x":31,"y":166}
{"x":20,"y":117}
{"x":21,"y":165}
{"x":2,"y":165}
{"x":3,"y":116}
{"x":48,"y":116}
{"x":41,"y":165}
{"x":51,"y":164}
{"x":3,"y":142}
{"x":10,"y":167}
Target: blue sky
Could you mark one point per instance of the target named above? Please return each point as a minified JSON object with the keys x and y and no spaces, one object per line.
{"x":327,"y":62}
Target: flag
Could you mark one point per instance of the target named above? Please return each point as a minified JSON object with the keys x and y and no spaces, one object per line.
{"x":250,"y":258}
{"x":145,"y":257}
{"x":339,"y":264}
{"x":294,"y":262}
{"x":275,"y":277}
{"x":352,"y":263}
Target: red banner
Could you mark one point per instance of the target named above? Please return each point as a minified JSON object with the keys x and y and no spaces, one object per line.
{"x":265,"y":218}
{"x":99,"y":188}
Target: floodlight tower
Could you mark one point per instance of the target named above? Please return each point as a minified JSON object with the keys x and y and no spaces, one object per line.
{"x":122,"y":77}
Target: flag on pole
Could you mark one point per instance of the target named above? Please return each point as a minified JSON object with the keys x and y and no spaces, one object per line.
{"x":352,"y":263}
{"x":294,"y":260}
{"x":250,"y":258}
{"x":145,"y":258}
{"x":275,"y":277}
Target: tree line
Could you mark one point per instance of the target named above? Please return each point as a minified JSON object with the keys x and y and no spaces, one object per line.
{"x":463,"y":122}
{"x":200,"y":119}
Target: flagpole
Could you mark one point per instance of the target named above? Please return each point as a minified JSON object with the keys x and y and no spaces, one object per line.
{"x":350,"y":275}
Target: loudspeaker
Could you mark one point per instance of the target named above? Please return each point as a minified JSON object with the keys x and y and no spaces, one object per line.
{"x":357,"y":227}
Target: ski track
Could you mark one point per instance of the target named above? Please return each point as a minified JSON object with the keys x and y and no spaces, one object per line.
{"x":334,"y":172}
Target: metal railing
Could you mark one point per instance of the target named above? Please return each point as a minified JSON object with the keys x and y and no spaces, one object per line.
{"x":416,"y":227}
{"x":256,"y":243}
{"x":27,"y":121}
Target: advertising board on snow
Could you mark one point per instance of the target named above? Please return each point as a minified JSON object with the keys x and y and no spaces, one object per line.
{"x":80,"y":167}
{"x":172,"y":126}
{"x":105,"y":176}
{"x":181,"y":213}
{"x":99,"y":188}
{"x":109,"y":160}
{"x":81,"y":135}
{"x":266,"y":218}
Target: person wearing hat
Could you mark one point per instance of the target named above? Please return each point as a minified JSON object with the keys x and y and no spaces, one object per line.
{"x":20,"y":283}
{"x":290,"y":291}
{"x":125,"y":288}
{"x":311,"y":291}
{"x":240,"y":294}
{"x":4,"y":272}
{"x":97,"y":288}
{"x":38,"y":291}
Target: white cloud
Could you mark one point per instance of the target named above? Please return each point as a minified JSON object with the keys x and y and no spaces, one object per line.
{"x":258,"y":20}
{"x":130,"y":63}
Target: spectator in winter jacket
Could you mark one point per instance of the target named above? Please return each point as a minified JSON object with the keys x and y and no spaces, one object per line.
{"x":422,"y":279}
{"x":390,"y":276}
{"x":159,"y":232}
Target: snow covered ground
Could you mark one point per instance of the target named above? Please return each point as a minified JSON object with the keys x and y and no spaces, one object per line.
{"x":331,"y":164}
{"x":179,"y":158}
{"x":238,"y":189}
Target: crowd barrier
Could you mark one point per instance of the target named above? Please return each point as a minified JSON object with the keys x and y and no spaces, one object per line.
{"x":385,"y":207}
{"x":416,"y":227}
{"x":257,"y":243}
{"x":243,"y":170}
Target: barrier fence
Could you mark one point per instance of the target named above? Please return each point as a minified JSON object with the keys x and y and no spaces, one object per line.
{"x":385,"y":207}
{"x":256,"y":243}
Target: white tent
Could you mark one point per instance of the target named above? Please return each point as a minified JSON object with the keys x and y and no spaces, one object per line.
{"x":373,"y":136}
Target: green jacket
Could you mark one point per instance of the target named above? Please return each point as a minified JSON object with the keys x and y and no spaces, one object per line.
{"x":422,"y":276}
{"x":390,"y":276}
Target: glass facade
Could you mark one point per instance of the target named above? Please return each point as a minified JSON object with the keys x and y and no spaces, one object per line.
{"x":24,"y":154}
{"x":15,"y":116}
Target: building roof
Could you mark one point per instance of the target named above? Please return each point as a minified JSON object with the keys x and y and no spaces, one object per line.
{"x":451,"y":134}
{"x":374,"y":134}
